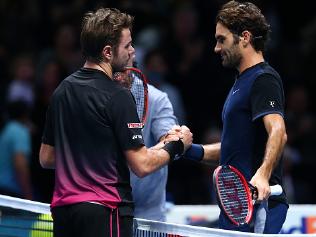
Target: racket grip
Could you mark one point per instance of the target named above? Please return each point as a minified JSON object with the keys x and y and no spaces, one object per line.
{"x":276,"y":190}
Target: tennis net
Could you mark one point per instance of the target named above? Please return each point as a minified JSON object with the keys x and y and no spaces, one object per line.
{"x":24,"y":218}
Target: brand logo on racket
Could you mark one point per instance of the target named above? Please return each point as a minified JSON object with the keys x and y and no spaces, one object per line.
{"x":135,"y":125}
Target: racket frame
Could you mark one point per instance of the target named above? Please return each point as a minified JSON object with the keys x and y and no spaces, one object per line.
{"x":145,"y":84}
{"x":246,"y":187}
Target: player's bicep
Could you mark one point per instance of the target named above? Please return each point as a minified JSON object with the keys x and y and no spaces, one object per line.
{"x":274,"y":122}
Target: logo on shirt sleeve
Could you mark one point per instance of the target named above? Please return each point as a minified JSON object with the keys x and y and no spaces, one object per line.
{"x":272,"y":103}
{"x":137,"y":137}
{"x":135,"y":125}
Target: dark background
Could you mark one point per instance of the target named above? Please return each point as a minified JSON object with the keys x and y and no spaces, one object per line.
{"x":43,"y":37}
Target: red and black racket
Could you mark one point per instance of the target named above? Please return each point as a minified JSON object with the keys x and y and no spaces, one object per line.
{"x":136,"y":81}
{"x":235,"y":195}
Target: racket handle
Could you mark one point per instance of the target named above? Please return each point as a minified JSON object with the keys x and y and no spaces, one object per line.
{"x":276,"y":190}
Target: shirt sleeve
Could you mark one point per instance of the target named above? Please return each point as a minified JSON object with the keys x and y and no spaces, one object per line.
{"x":126,"y":124}
{"x":163,"y":118}
{"x":48,"y":134}
{"x":267,"y":96}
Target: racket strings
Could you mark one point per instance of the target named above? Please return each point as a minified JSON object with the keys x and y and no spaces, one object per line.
{"x":233,"y":195}
{"x":138,"y":92}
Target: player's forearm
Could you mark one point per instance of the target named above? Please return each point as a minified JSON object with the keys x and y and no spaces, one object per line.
{"x":208,"y":154}
{"x":144,"y":161}
{"x":154,"y":160}
{"x":212,"y":153}
{"x":274,"y":149}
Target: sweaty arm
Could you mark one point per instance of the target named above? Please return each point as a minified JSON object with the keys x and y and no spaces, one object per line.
{"x":144,"y":161}
{"x":127,"y":128}
{"x":277,"y":137}
{"x":267,"y":101}
{"x":47,"y":156}
{"x":208,"y":154}
{"x":212,"y":153}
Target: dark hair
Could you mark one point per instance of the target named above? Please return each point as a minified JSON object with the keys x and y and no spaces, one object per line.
{"x":238,"y":17}
{"x":100,"y":28}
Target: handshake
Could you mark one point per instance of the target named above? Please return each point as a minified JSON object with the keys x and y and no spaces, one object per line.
{"x":178,"y":143}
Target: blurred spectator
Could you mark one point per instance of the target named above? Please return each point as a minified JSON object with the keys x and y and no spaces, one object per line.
{"x":292,"y":159}
{"x":308,"y":47}
{"x":302,"y":136}
{"x":15,"y":151}
{"x":48,"y":79}
{"x":301,"y":123}
{"x":65,"y":50}
{"x":156,"y":70}
{"x":146,"y":40}
{"x":21,"y":86}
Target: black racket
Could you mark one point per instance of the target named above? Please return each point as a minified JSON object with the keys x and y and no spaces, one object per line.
{"x":133,"y":79}
{"x":235,"y":195}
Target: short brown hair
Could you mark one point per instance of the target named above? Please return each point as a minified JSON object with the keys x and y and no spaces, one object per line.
{"x":238,"y":17}
{"x":100,"y":28}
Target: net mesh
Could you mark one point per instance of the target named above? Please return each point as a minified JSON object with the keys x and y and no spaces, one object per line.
{"x":23,"y":218}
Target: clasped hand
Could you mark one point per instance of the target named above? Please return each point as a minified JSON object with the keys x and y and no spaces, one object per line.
{"x":179,"y":132}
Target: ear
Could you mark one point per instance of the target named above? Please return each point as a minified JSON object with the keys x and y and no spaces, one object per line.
{"x":245,"y":38}
{"x":107,"y":52}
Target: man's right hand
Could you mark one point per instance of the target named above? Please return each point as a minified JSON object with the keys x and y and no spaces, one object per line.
{"x":183,"y":133}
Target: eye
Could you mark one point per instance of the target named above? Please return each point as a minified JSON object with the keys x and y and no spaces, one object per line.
{"x":220,"y":40}
{"x":129,"y":45}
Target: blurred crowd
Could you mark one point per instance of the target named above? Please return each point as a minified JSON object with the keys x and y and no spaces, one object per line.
{"x":174,"y":41}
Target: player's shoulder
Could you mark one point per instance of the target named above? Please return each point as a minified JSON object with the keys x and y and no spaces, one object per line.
{"x":266,"y":70}
{"x":155,"y":92}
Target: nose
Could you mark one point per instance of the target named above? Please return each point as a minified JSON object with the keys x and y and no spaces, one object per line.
{"x":132,"y":50}
{"x":217,"y":48}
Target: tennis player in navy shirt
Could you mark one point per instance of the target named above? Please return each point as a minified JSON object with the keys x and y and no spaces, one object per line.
{"x":254,"y":132}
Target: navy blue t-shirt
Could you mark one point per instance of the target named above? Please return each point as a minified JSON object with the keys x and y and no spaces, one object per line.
{"x":257,"y":91}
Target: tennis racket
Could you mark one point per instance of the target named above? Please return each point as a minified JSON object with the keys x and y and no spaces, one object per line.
{"x":133,"y":79}
{"x":235,"y":195}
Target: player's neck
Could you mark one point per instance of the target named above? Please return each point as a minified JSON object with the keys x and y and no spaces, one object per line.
{"x":102,"y":66}
{"x":250,"y":60}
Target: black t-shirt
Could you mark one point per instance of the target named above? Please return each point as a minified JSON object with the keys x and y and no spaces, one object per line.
{"x":90,"y":122}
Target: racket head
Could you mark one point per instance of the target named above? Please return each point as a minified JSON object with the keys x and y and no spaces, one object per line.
{"x":233,"y":194}
{"x":133,"y":79}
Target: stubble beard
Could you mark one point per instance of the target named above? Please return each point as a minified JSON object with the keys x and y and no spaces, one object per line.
{"x":232,"y":57}
{"x":118,"y":65}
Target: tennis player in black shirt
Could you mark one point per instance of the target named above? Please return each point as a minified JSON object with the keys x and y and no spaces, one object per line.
{"x":92,"y":134}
